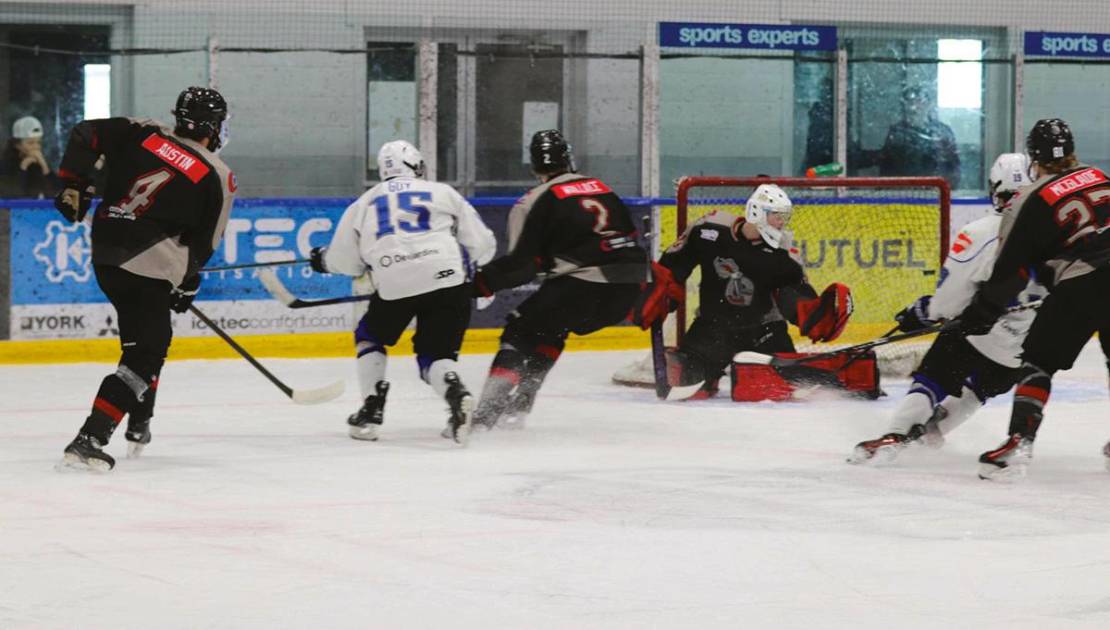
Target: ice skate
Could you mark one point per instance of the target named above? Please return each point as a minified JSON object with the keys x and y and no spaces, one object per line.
{"x":85,"y":452}
{"x":461,"y":407}
{"x":886,"y":449}
{"x":1106,"y":456}
{"x":365,"y":423}
{"x":137,"y":435}
{"x":1009,"y":461}
{"x":516,"y":412}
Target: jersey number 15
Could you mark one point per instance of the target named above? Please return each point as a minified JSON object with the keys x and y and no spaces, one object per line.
{"x":411,"y":201}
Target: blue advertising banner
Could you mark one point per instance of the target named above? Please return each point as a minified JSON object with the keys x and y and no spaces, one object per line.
{"x":757,"y":36}
{"x":1045,"y":44}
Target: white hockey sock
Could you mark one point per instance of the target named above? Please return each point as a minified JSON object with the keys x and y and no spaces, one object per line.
{"x":915,"y":408}
{"x":371,"y":369}
{"x":436,"y":372}
{"x":959,"y":409}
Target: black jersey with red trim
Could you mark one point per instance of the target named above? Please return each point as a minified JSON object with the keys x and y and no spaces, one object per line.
{"x":572,"y":225}
{"x":1059,"y":227}
{"x":740,"y":279}
{"x":165,"y":202}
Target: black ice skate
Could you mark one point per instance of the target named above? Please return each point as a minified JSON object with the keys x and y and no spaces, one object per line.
{"x":885,"y":449}
{"x":461,"y":407}
{"x":137,"y":435}
{"x":85,"y":452}
{"x":1106,"y":456}
{"x":365,"y":422}
{"x":1009,"y":461}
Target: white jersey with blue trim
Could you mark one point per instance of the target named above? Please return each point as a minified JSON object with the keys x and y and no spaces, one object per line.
{"x":970,"y":262}
{"x":414,"y":236}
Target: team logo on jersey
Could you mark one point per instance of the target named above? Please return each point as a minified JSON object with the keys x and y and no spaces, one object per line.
{"x":709,"y":235}
{"x":1076,"y":181}
{"x":232,"y":182}
{"x":190,"y":165}
{"x":963,"y":241}
{"x":740,"y":289}
{"x":66,"y":252}
{"x":578,"y":189}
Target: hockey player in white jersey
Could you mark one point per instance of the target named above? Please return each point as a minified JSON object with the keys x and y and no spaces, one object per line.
{"x":959,"y":373}
{"x":420,"y":240}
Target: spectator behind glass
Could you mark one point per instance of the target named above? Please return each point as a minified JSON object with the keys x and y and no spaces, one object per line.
{"x":918,"y":145}
{"x":25,"y":171}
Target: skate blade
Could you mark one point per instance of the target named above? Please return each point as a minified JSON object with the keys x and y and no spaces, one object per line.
{"x":368,"y":433}
{"x":74,"y":462}
{"x":1013,"y":472}
{"x":880,"y":456}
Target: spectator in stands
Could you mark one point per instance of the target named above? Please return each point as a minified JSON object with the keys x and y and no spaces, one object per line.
{"x":24,"y":168}
{"x":919,"y":144}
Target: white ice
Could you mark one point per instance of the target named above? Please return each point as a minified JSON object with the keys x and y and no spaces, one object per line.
{"x":610,"y":510}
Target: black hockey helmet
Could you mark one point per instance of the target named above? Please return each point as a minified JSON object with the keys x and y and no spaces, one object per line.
{"x":1049,"y":140}
{"x":550,"y":153}
{"x":200,"y":113}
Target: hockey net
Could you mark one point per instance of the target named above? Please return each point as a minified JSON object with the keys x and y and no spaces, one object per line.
{"x":884,"y":237}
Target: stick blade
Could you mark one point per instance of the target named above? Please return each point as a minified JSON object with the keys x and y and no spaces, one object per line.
{"x":682,"y":392}
{"x":758,"y":358}
{"x":318,"y":395}
{"x":275,"y":287}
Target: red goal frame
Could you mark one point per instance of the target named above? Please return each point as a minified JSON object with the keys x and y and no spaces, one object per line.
{"x":944,"y":196}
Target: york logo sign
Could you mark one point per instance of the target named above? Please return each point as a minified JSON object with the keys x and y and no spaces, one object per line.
{"x":65,"y":252}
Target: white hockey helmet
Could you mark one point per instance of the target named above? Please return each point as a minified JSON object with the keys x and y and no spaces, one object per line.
{"x":399,"y":159}
{"x":769,"y":210}
{"x":1009,"y":172}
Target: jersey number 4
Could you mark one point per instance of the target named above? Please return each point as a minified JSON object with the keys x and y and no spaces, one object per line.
{"x":143,"y":190}
{"x":413,"y":202}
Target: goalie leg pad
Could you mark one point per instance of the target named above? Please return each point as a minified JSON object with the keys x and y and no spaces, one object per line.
{"x":858,"y":375}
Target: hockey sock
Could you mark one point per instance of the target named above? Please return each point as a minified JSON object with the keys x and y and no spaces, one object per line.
{"x":370,"y":366}
{"x":537,"y":365}
{"x":1030,"y":397}
{"x":915,"y":408}
{"x":958,"y":409}
{"x":144,"y":411}
{"x":436,"y":371}
{"x":119,"y":393}
{"x":504,"y":375}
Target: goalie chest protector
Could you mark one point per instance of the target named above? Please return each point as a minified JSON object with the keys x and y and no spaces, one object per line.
{"x":858,"y":375}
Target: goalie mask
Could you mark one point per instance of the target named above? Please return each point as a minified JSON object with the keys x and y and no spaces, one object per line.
{"x":769,"y":210}
{"x":1009,"y":173}
{"x":400,"y":159}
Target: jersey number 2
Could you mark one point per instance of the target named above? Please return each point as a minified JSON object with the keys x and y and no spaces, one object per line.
{"x":412,"y":201}
{"x":601,"y":215}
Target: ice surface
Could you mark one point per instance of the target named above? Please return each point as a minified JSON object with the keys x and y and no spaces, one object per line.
{"x":610,"y":510}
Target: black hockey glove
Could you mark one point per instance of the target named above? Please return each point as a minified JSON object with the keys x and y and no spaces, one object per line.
{"x":915,"y":316}
{"x":182,"y":296}
{"x":74,"y":201}
{"x":316,"y":260}
{"x":979,"y":316}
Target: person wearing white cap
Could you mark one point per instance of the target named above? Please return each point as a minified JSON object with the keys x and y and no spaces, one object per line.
{"x":24,"y":163}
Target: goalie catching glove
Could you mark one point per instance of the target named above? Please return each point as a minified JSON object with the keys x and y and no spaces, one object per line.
{"x":660,"y":297}
{"x":823,"y":318}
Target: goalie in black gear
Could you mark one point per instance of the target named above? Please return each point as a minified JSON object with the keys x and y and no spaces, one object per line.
{"x":577,"y":233}
{"x":166,"y":201}
{"x":751,"y":287}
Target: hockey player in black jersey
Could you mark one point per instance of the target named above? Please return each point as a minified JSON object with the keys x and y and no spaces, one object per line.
{"x":1058,"y":228}
{"x":578,"y":235}
{"x":165,"y":203}
{"x":751,"y":286}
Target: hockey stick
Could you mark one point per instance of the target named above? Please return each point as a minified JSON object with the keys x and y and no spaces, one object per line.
{"x":780,"y":362}
{"x":299,"y":396}
{"x":275,"y":287}
{"x":257,"y":264}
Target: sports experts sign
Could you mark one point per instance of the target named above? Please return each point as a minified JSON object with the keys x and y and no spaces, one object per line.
{"x":1045,"y":44}
{"x":758,"y":36}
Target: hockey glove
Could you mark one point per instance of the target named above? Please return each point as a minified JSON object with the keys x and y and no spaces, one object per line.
{"x":824,"y":318}
{"x":915,"y":316}
{"x":182,"y":296}
{"x":316,"y":259}
{"x":660,"y":297}
{"x":979,"y":316}
{"x":74,"y":201}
